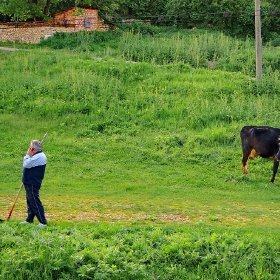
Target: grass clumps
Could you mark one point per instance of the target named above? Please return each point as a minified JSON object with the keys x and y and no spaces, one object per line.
{"x":120,"y":252}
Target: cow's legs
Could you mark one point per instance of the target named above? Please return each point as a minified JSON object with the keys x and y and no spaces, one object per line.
{"x":253,"y":154}
{"x":245,"y":161}
{"x":275,"y":168}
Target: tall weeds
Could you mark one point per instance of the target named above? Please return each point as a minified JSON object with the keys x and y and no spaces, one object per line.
{"x":208,"y":50}
{"x":118,"y":93}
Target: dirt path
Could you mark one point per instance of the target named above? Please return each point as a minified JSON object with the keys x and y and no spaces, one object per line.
{"x":8,"y":49}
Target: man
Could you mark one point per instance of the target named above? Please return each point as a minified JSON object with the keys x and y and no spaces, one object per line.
{"x":34,"y":165}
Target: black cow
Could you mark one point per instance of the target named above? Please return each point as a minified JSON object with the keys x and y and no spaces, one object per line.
{"x":260,"y":141}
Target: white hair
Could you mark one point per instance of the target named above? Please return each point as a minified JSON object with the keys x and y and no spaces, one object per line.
{"x":36,"y":144}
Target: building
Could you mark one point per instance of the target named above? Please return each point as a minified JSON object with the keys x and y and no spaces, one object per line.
{"x":80,"y":19}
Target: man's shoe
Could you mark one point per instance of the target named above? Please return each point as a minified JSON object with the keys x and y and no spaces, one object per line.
{"x":25,"y":223}
{"x":42,"y":225}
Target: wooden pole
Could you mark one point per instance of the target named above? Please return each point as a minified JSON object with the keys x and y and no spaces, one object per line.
{"x":258,"y":39}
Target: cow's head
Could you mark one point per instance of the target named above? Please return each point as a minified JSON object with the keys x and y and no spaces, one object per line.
{"x":277,"y":156}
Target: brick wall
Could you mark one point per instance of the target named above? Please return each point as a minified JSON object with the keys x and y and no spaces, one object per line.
{"x":71,"y":20}
{"x":80,"y":18}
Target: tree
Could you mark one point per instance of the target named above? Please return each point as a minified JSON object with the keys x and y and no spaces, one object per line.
{"x":47,"y":7}
{"x":38,"y":9}
{"x":15,"y":9}
{"x":22,"y":10}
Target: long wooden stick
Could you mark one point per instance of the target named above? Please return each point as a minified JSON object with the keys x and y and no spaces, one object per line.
{"x":44,"y":138}
{"x":14,"y":204}
{"x":21,"y":186}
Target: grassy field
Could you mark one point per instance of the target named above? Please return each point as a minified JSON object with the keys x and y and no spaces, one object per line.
{"x":144,"y":176}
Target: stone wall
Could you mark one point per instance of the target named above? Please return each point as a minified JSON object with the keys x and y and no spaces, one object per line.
{"x":29,"y":35}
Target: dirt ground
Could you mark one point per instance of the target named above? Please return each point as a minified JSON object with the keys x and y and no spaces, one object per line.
{"x":8,"y":49}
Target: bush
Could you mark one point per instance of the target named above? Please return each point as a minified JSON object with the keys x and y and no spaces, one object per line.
{"x":76,"y":40}
{"x":275,"y":42}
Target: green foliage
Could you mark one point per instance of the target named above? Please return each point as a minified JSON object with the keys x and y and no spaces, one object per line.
{"x":212,"y":50}
{"x":236,"y":18}
{"x":121,"y":252}
{"x":275,"y":42}
{"x":244,"y":24}
{"x":15,"y":9}
{"x":108,"y":86}
{"x":21,"y":10}
{"x":142,"y":9}
{"x":140,"y":27}
{"x":84,"y":40}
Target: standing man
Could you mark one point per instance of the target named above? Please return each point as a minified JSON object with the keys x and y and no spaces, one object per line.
{"x":34,"y":165}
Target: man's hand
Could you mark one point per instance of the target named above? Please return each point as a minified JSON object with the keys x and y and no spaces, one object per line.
{"x":29,"y":151}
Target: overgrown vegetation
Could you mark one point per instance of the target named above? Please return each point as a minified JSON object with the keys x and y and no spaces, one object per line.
{"x":144,"y":160}
{"x":168,"y":252}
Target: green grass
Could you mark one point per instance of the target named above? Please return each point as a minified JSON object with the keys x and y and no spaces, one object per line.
{"x":105,"y":251}
{"x":144,"y":176}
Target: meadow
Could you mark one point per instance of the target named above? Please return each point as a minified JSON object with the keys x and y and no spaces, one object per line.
{"x":144,"y":176}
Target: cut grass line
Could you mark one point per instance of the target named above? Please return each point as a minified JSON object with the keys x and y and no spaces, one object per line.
{"x":81,"y":210}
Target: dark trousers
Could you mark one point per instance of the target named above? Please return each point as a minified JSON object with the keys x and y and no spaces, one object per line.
{"x":34,"y":204}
